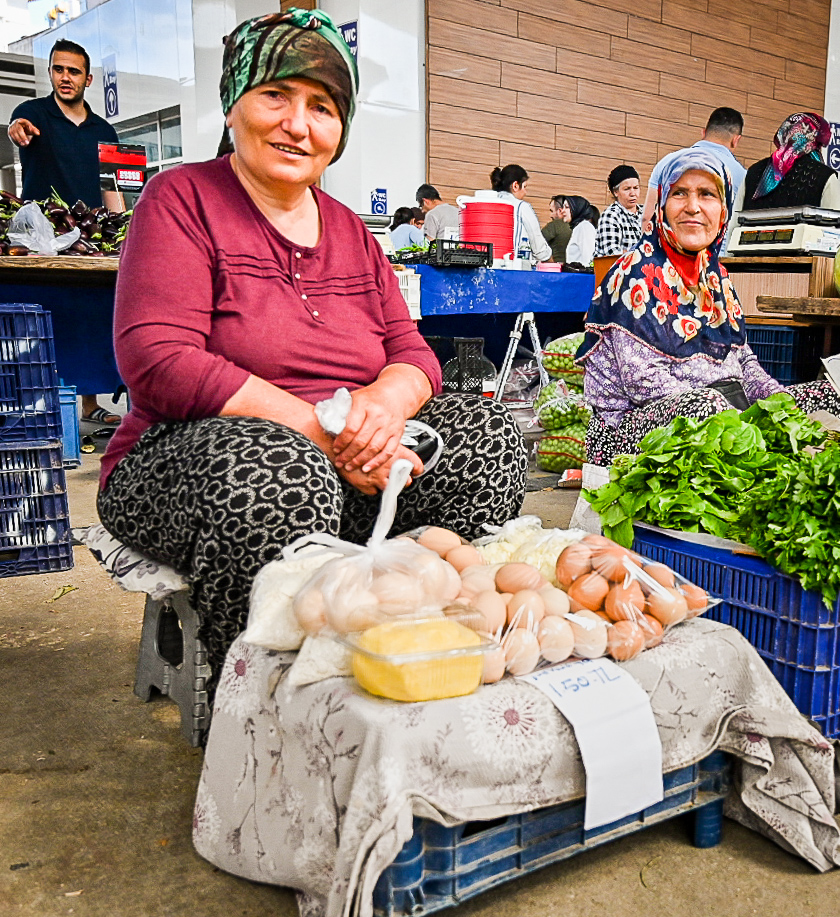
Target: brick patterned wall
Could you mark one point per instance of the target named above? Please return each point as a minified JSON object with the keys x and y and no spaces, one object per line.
{"x":570,"y":88}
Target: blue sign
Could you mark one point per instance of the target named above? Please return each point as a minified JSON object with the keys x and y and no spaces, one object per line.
{"x":350,"y":33}
{"x":379,"y":201}
{"x":109,"y":80}
{"x":832,"y":153}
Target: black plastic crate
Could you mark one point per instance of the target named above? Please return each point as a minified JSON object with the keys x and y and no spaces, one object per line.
{"x":30,"y":407}
{"x":792,"y":629}
{"x":34,"y":514}
{"x":452,"y":253}
{"x":441,"y":866}
{"x":789,"y":355}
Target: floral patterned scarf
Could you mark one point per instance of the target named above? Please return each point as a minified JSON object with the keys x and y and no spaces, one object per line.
{"x":802,"y":134}
{"x":681,"y":304}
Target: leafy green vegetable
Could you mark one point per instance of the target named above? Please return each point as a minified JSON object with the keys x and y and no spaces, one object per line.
{"x":753,"y":476}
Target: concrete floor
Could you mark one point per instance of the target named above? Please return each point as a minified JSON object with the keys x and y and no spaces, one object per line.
{"x":97,"y":788}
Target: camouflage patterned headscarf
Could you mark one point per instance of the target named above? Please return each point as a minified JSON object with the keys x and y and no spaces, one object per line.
{"x":297,"y":43}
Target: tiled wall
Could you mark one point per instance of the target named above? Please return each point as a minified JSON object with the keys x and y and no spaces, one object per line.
{"x":570,"y":88}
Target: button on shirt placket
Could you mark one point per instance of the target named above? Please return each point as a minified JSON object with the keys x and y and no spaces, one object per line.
{"x":303,"y":296}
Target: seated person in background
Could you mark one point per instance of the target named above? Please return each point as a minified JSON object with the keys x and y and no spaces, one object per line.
{"x":404,"y":231}
{"x":557,"y":232}
{"x":246,"y":295}
{"x":577,"y":212}
{"x":795,"y":175}
{"x":441,"y":219}
{"x":511,"y":184}
{"x":721,"y":137}
{"x":620,"y":226}
{"x":665,"y":336}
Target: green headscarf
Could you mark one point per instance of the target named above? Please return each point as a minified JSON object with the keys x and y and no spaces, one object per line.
{"x":297,"y":43}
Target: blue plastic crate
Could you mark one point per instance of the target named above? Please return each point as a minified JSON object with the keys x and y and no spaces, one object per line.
{"x":29,"y":401}
{"x":789,"y":355}
{"x":71,"y":443}
{"x":442,"y":866}
{"x":791,"y":628}
{"x":34,"y":515}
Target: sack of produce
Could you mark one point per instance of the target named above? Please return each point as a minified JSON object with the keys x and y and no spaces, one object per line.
{"x":563,"y":449}
{"x":556,"y":407}
{"x":638,"y":599}
{"x":558,"y":358}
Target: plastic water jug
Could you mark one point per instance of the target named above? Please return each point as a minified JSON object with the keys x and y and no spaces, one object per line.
{"x":484,"y":218}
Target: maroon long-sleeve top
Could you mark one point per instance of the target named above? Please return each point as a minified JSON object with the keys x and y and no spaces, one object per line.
{"x":209,"y":292}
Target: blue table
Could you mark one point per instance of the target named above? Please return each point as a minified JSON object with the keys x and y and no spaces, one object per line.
{"x":78,"y":292}
{"x":483,"y":302}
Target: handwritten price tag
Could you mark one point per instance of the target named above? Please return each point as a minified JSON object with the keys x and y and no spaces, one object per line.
{"x":616,"y":731}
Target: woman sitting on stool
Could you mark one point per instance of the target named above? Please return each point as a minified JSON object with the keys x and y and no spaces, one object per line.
{"x":246,"y":295}
{"x":665,"y":335}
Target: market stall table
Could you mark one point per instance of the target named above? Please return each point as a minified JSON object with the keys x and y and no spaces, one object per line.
{"x":484,"y":302}
{"x":316,"y":788}
{"x":78,"y":291}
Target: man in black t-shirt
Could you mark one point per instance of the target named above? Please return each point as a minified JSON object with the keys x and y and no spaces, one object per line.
{"x":58,"y":137}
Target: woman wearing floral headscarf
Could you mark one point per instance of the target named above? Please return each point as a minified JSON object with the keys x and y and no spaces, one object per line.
{"x":245,"y":296}
{"x":665,"y":335}
{"x":795,"y":175}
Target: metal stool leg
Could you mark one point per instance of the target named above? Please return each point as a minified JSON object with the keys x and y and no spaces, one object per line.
{"x":523,"y":319}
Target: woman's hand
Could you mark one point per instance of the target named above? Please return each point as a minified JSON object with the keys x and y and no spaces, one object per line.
{"x":376,"y":422}
{"x":372,"y":482}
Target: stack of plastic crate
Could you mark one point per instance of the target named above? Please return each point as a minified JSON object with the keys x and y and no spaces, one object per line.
{"x":34,"y":515}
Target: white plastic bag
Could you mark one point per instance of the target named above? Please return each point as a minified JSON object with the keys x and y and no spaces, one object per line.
{"x":29,"y":227}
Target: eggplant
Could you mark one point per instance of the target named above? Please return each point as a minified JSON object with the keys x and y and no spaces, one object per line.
{"x":79,"y":209}
{"x":18,"y":250}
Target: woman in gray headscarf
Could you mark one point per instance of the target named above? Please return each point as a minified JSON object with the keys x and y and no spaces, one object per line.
{"x":245,"y":296}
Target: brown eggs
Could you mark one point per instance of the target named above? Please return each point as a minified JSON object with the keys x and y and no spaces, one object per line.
{"x":555,"y":600}
{"x":590,"y":634}
{"x":310,"y":610}
{"x":588,"y":591}
{"x":625,"y":602}
{"x":477,"y":582}
{"x":625,"y":640}
{"x":662,"y":573}
{"x":652,"y":630}
{"x":463,"y":556}
{"x":525,"y":609}
{"x":397,"y":590}
{"x":522,"y":651}
{"x":517,"y":576}
{"x":493,"y":609}
{"x":439,"y":540}
{"x":556,"y":639}
{"x":611,"y":561}
{"x":574,"y":561}
{"x":668,"y":606}
{"x":695,"y":598}
{"x":494,"y":665}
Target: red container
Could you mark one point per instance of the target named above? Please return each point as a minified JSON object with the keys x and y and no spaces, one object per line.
{"x":488,"y":222}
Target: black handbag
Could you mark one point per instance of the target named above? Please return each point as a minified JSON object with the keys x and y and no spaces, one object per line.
{"x":732,"y":391}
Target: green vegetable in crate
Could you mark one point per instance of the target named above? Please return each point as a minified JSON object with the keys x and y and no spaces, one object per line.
{"x":558,"y":358}
{"x":559,"y":453}
{"x":692,"y":475}
{"x":557,"y":408}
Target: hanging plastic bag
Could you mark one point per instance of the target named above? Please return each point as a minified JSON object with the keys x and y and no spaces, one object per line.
{"x":556,"y":407}
{"x":29,"y":227}
{"x":558,"y":358}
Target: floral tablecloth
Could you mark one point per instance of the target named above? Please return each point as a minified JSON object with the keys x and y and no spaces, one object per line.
{"x":315,"y":788}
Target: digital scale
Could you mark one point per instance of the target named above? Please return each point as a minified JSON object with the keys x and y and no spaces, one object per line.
{"x":786,"y":231}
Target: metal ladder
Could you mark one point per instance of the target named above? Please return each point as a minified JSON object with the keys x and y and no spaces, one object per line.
{"x":522,"y":319}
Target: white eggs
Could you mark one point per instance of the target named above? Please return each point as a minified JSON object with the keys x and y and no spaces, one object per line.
{"x":310,"y":610}
{"x":397,"y":589}
{"x":494,"y":665}
{"x":555,"y":600}
{"x":556,"y":639}
{"x":522,"y":651}
{"x":590,"y":632}
{"x":525,"y":609}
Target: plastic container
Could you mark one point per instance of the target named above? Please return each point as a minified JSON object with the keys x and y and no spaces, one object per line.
{"x":789,"y":355}
{"x":790,"y":628}
{"x":487,"y":221}
{"x":407,"y":673}
{"x":29,"y":401}
{"x":410,"y":288}
{"x":440,"y":866}
{"x":469,"y":370}
{"x":70,"y":439}
{"x":34,"y":514}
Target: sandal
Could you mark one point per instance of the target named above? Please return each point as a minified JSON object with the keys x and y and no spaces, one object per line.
{"x":102,"y":415}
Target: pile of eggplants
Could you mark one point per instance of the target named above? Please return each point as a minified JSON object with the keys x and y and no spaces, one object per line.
{"x":102,"y":232}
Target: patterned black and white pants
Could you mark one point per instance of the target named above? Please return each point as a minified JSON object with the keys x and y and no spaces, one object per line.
{"x":604,"y":442}
{"x":218,"y":498}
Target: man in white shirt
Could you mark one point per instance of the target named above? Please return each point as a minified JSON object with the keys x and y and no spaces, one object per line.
{"x":440,"y":217}
{"x":720,"y":138}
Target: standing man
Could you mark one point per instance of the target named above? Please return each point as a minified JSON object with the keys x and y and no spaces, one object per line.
{"x":58,"y":137}
{"x":439,"y":216}
{"x":720,"y":138}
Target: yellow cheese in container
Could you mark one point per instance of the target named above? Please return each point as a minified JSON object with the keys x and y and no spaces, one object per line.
{"x":418,"y":660}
